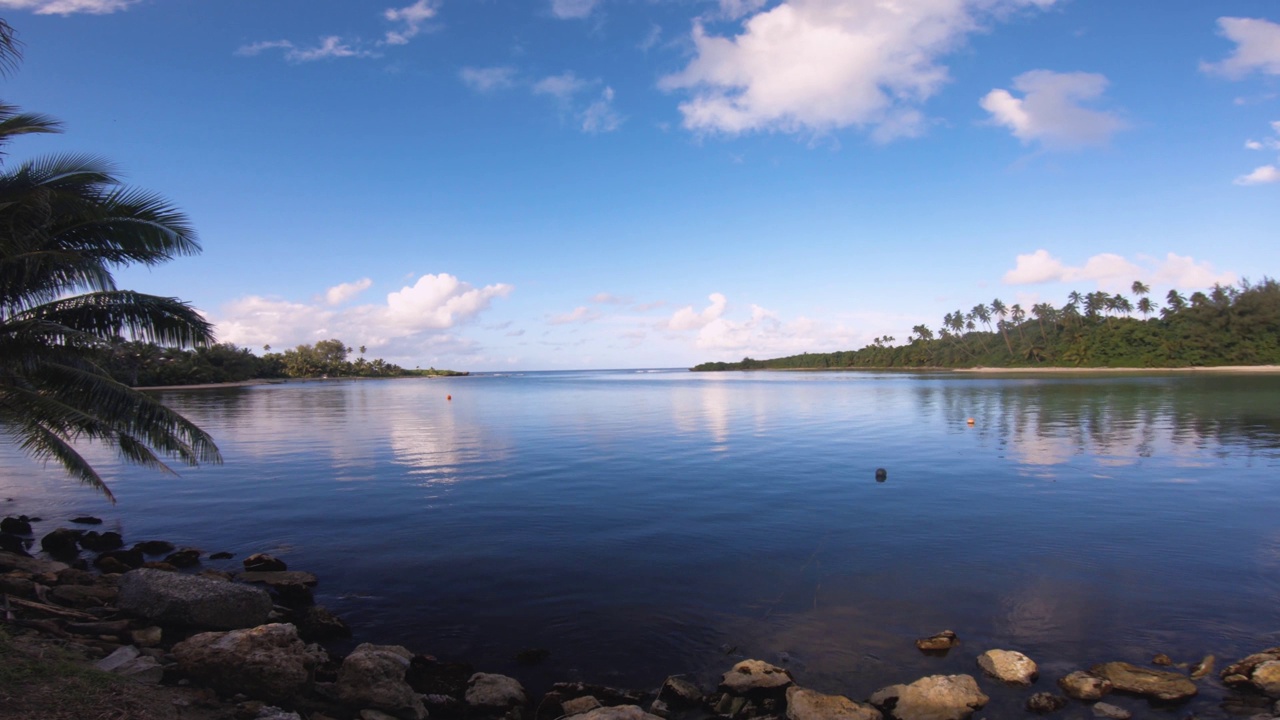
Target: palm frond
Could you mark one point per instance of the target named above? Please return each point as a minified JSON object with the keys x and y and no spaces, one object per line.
{"x":124,"y":313}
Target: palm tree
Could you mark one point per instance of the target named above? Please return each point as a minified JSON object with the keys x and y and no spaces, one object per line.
{"x":1144,"y":307}
{"x":1139,"y":288}
{"x":65,"y":224}
{"x":999,"y":310}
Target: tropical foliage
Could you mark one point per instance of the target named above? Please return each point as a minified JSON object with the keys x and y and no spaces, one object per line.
{"x":65,"y":223}
{"x":1229,"y":325}
{"x":143,"y":364}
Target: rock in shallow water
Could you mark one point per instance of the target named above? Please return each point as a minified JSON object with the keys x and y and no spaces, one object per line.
{"x":804,"y":704}
{"x":188,"y":600}
{"x":1009,"y":666}
{"x":488,"y":691}
{"x":1155,"y":684}
{"x":262,"y":562}
{"x":937,"y":697}
{"x":373,"y":676}
{"x":1045,"y":702}
{"x":940,"y":643}
{"x":754,"y":677}
{"x":1112,"y":712}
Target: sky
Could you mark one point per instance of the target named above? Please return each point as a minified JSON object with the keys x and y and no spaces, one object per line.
{"x":494,"y":185}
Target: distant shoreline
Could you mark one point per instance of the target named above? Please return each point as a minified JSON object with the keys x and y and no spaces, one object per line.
{"x":272,"y":381}
{"x":1213,"y":370}
{"x":1223,"y":369}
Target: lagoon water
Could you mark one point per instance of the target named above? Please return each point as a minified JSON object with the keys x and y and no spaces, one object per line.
{"x":637,"y":524}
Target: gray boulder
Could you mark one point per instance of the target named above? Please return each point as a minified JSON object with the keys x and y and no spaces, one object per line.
{"x":269,"y":662}
{"x":755,"y":677}
{"x":373,"y":677}
{"x":188,"y":600}
{"x":804,"y":704}
{"x":1009,"y":666}
{"x":1156,"y":684}
{"x":937,"y":697}
{"x":487,"y":691}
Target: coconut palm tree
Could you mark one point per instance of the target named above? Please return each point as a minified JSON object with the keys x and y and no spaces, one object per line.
{"x":65,"y":224}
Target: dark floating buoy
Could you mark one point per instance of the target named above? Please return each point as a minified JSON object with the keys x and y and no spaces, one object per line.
{"x":881,"y":474}
{"x":448,"y":397}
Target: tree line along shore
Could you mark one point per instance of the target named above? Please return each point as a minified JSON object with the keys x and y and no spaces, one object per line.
{"x":146,"y":364}
{"x":1230,"y":325}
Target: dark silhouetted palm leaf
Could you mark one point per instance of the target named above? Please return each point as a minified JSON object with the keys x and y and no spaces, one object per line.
{"x":65,"y":223}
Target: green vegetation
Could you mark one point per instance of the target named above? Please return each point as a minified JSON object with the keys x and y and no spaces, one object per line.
{"x":1230,"y":325}
{"x":66,"y":222}
{"x":142,"y":364}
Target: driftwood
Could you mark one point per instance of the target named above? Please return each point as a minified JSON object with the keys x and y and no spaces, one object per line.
{"x":49,"y":609}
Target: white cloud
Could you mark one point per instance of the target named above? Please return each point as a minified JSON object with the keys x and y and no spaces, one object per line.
{"x":562,"y":86}
{"x":686,"y":318}
{"x":412,"y":18}
{"x":812,"y":66}
{"x":605,"y":298}
{"x":339,"y":294}
{"x":580,"y":314}
{"x":1264,"y":175}
{"x":434,"y":303}
{"x":329,"y":47}
{"x":1257,"y":48}
{"x":599,"y":116}
{"x":1050,"y":110}
{"x":487,"y":79}
{"x":572,"y":9}
{"x":259,"y":47}
{"x":1114,"y":272}
{"x":68,"y":7}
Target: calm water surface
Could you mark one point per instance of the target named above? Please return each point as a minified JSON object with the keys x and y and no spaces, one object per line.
{"x":638,"y":524}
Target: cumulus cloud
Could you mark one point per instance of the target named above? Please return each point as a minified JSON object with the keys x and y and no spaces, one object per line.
{"x":686,"y":318}
{"x":434,"y":303}
{"x":487,"y":79}
{"x":1266,"y":174}
{"x":572,"y":9}
{"x":411,"y":19}
{"x":68,"y":7}
{"x":599,"y":116}
{"x":1050,"y":110}
{"x":812,"y":66}
{"x":1257,"y":48}
{"x":339,"y":294}
{"x":580,"y":314}
{"x":1114,"y":272}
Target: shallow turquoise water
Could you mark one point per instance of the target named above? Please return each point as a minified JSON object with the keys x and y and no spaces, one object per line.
{"x":640,"y":524}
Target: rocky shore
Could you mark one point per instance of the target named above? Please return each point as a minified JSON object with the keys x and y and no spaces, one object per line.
{"x":251,"y":646}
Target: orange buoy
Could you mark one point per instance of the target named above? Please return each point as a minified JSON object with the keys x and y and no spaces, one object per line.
{"x":450,"y":399}
{"x":969,"y":421}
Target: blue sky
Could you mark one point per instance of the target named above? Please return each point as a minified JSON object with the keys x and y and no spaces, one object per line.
{"x":544,"y":184}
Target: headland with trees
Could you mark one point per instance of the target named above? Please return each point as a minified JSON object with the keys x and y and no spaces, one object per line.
{"x":1229,"y":325}
{"x":145,"y":364}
